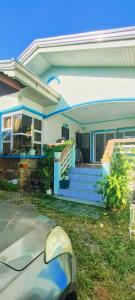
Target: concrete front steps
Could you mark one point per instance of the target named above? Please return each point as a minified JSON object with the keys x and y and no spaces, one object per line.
{"x":83,"y":185}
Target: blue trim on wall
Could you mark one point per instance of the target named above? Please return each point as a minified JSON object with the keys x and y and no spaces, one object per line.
{"x":53,"y":78}
{"x":34,"y":111}
{"x":20,"y":107}
{"x":90,"y":103}
{"x":22,"y":156}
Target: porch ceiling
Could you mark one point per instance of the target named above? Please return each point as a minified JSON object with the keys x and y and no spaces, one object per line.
{"x":101,"y":112}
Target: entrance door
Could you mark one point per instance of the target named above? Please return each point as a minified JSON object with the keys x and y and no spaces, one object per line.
{"x":85,"y":147}
{"x":78,"y":140}
{"x":83,"y":144}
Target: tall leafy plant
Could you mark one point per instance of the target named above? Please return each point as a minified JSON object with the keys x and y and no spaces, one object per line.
{"x":115,"y":187}
{"x":45,"y":172}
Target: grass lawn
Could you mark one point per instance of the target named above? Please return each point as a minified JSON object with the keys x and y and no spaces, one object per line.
{"x":105,"y":255}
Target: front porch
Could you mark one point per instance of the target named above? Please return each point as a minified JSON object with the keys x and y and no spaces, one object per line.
{"x":101,"y":121}
{"x":83,"y":178}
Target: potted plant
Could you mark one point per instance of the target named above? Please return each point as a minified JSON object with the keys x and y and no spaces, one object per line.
{"x":45,"y":167}
{"x":58,"y":150}
{"x":57,"y":155}
{"x":64,"y":183}
{"x":66,"y":174}
{"x":32,"y":151}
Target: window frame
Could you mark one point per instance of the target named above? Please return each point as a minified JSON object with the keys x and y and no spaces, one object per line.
{"x":11,"y":141}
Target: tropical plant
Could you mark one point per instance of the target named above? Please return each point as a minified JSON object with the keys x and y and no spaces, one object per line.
{"x":115,"y":187}
{"x":50,"y":149}
{"x":45,"y":172}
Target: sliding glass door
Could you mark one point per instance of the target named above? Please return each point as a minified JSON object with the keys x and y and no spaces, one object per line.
{"x":101,"y":141}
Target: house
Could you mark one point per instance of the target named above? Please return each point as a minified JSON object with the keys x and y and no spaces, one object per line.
{"x":79,"y":87}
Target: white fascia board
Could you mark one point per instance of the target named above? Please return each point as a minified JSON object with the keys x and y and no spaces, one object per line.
{"x":17,"y":71}
{"x":98,"y":39}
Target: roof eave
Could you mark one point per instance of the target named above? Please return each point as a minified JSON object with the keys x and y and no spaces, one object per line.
{"x":16,"y":70}
{"x":97,"y":37}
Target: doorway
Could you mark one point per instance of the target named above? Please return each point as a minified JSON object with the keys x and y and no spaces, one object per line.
{"x":83,"y":144}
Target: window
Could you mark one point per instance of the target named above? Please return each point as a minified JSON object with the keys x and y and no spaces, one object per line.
{"x":21,"y":132}
{"x":37,"y":147}
{"x":26,"y":124}
{"x":21,"y":142}
{"x":119,"y":135}
{"x":6,"y":148}
{"x":22,"y":124}
{"x":7,"y":123}
{"x":17,"y":123}
{"x":37,"y":136}
{"x":129,"y":134}
{"x":37,"y":124}
{"x":65,"y":133}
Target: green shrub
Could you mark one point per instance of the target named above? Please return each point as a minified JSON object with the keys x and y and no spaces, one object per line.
{"x":50,"y":149}
{"x":115,"y":187}
{"x":8,"y":186}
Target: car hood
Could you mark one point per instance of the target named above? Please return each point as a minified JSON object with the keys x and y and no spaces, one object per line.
{"x":22,"y":236}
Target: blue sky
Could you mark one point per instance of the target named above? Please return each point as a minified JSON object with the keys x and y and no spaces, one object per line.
{"x":22,"y":21}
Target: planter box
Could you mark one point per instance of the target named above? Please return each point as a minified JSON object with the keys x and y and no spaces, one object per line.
{"x":64,"y":184}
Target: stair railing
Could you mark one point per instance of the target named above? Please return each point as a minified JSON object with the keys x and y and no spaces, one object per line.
{"x":125,"y":145}
{"x":66,"y":161}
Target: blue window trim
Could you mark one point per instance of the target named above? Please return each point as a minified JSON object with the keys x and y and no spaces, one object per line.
{"x":20,"y":107}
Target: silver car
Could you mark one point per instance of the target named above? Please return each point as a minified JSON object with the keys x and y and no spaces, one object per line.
{"x":36,"y":257}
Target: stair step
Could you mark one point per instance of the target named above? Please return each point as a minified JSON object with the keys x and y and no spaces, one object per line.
{"x":83,"y":185}
{"x":86,"y":171}
{"x":91,"y":196}
{"x":92,"y":166}
{"x":84,"y":177}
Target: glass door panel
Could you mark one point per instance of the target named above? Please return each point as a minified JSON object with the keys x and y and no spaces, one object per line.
{"x":99,"y":146}
{"x":109,"y":136}
{"x":119,"y":135}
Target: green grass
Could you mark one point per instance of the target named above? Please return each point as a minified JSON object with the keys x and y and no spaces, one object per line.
{"x":105,"y":255}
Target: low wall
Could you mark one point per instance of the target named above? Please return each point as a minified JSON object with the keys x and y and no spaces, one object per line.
{"x":21,"y":169}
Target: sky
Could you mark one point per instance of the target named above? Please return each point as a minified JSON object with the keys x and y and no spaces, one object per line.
{"x":22,"y":21}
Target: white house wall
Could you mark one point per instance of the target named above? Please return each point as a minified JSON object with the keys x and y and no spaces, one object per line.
{"x":8,"y":102}
{"x":80,"y":85}
{"x":53,"y":127}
